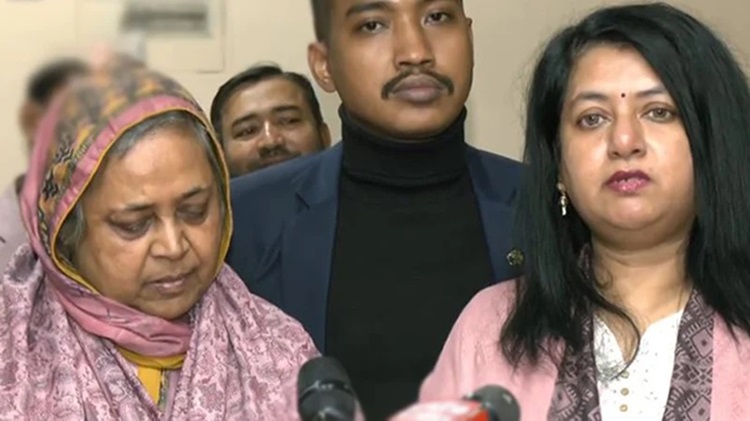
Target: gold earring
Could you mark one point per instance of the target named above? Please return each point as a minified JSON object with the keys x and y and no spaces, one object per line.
{"x":563,"y":199}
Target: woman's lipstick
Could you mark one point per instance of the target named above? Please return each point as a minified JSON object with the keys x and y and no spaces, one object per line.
{"x":628,"y":182}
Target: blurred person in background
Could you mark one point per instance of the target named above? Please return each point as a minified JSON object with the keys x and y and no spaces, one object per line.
{"x":44,"y":86}
{"x":265,"y":116}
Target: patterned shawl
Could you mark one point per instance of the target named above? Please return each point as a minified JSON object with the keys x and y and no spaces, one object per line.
{"x":576,"y":397}
{"x":63,"y":345}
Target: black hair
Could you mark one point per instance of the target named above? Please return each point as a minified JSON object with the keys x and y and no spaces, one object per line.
{"x":321,"y":10}
{"x":50,"y":77}
{"x":557,"y":294}
{"x":259,"y":73}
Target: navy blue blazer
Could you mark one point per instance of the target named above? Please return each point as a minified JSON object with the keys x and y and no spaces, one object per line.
{"x":285,"y":222}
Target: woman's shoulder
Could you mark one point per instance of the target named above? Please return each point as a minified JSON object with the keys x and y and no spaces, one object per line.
{"x":501,"y":294}
{"x":471,"y":356}
{"x":488,"y":309}
{"x":476,"y":333}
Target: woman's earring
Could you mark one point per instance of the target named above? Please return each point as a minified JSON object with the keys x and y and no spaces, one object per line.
{"x":563,"y":199}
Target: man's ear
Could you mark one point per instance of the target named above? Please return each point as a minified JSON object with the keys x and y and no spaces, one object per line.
{"x":317,"y":59}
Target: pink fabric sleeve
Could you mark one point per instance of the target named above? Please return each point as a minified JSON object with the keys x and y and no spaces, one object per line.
{"x":730,"y":392}
{"x":472,"y":358}
{"x":471,"y":354}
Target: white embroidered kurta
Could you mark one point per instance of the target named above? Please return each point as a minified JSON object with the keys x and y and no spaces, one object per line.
{"x":640,"y":392}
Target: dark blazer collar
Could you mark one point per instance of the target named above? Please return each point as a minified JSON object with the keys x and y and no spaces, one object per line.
{"x":320,"y":182}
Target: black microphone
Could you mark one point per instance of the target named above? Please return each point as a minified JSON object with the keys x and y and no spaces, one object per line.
{"x":324,"y":392}
{"x":490,"y":403}
{"x":499,"y":402}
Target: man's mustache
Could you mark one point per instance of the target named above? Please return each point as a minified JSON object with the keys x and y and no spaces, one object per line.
{"x":267,"y":153}
{"x":391,"y":85}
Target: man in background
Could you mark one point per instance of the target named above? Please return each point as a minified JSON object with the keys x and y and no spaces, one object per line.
{"x":43,"y":87}
{"x":264,"y":116}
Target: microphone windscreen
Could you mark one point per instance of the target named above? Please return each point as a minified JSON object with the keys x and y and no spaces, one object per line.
{"x":324,"y":391}
{"x":499,"y":402}
{"x":321,"y":369}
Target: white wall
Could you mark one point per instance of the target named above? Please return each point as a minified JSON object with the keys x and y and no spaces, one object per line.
{"x":508,"y":35}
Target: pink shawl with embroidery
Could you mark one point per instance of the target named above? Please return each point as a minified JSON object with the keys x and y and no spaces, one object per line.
{"x":58,"y":340}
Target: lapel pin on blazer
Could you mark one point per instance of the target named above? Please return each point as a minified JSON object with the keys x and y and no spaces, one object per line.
{"x":515,"y":257}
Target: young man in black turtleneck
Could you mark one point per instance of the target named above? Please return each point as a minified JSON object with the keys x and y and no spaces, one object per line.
{"x":377,"y":244}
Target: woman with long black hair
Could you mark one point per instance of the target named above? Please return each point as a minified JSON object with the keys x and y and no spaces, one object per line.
{"x":634,"y":224}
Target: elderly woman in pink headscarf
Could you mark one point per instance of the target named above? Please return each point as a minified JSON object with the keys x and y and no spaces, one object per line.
{"x":121,"y":307}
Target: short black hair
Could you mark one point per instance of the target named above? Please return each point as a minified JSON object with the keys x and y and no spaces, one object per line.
{"x":259,"y":73}
{"x":321,"y":10}
{"x":52,"y":76}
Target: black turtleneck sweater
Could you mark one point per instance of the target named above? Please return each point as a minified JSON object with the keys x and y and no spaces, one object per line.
{"x":409,"y":253}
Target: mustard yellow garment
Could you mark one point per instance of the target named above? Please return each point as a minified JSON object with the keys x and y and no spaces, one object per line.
{"x":151,"y":379}
{"x":150,"y":369}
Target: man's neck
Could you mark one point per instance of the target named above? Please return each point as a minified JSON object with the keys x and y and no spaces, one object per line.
{"x":379,"y":159}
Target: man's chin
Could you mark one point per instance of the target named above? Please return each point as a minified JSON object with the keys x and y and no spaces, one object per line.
{"x":415,"y":123}
{"x":412,"y":131}
{"x":261,"y":164}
